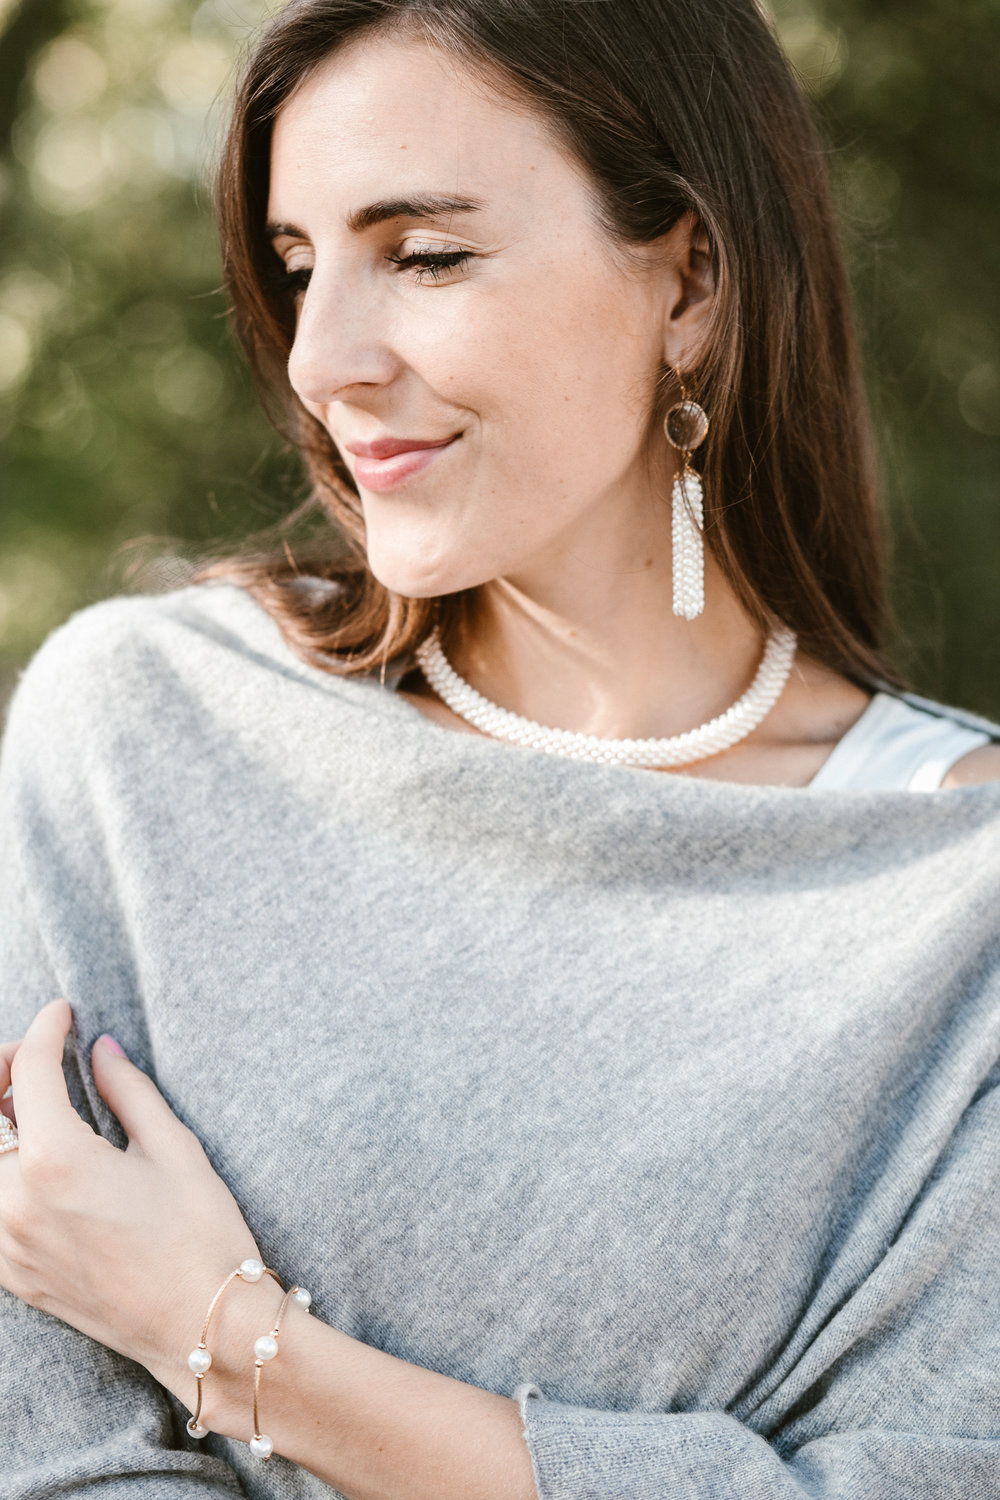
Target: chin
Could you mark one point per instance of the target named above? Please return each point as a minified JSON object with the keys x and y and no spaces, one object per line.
{"x":416,"y":576}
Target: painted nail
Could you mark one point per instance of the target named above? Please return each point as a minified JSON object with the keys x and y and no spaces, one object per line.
{"x":111,"y":1044}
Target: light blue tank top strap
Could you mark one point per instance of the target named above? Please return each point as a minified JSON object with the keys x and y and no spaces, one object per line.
{"x":902,"y":743}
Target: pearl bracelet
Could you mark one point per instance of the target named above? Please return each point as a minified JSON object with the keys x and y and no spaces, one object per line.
{"x":200,"y":1359}
{"x":266,"y":1348}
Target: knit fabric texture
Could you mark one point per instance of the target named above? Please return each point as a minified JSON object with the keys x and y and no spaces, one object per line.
{"x":666,"y":1106}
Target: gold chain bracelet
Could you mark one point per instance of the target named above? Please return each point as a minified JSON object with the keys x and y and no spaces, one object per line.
{"x":266,"y":1348}
{"x":200,"y":1358}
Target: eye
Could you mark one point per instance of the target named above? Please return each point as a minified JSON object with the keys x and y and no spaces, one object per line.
{"x":431,"y":265}
{"x":292,"y":283}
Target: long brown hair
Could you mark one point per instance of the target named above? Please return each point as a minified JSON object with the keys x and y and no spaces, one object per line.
{"x":672,"y":105}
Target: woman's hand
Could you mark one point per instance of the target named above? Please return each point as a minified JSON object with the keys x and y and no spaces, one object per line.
{"x":127,"y":1246}
{"x":130,"y":1246}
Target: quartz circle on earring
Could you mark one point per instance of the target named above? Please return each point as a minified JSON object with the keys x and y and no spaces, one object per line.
{"x":686,"y":426}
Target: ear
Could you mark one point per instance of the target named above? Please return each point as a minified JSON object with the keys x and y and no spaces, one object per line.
{"x":692,"y":292}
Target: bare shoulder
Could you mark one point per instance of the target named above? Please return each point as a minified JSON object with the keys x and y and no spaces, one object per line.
{"x":979,"y":765}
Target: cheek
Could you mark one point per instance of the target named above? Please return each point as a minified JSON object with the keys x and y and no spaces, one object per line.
{"x":563,"y":379}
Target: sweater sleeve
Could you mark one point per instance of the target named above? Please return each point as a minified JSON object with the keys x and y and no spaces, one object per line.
{"x":897,"y":1397}
{"x":75,"y":1418}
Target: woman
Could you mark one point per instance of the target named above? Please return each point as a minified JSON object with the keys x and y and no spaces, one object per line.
{"x":633,"y":1125}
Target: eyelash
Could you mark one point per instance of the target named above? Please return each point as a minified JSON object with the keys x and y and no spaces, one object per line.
{"x":291,"y":283}
{"x":429,"y":262}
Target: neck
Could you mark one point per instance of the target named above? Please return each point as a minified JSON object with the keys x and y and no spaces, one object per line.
{"x":601,"y":652}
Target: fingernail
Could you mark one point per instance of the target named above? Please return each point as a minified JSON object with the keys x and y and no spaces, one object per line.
{"x":111,"y":1044}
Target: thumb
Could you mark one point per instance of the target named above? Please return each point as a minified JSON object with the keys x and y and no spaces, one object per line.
{"x":132,"y":1096}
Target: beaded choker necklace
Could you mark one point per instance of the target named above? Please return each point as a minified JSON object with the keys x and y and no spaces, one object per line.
{"x":679,"y":750}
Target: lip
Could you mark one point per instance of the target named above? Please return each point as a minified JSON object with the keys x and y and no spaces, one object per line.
{"x":387,"y":462}
{"x":388,"y":447}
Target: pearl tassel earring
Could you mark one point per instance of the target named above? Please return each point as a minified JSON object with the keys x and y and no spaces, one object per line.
{"x":686,"y":426}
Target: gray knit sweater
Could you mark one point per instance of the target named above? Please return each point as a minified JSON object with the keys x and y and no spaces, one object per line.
{"x":670,"y":1104}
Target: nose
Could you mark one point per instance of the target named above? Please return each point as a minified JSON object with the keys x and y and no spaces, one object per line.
{"x":337,"y":345}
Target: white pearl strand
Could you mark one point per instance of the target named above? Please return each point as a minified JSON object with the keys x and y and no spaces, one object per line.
{"x":718,"y":734}
{"x":688,"y":523}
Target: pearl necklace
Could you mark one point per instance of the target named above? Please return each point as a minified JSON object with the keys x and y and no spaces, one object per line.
{"x":679,"y":750}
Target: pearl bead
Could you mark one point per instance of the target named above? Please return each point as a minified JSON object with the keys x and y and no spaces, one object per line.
{"x":261,"y":1447}
{"x":302,"y":1297}
{"x":199,"y":1360}
{"x":251,"y":1270}
{"x":196,"y":1429}
{"x":266,"y":1347}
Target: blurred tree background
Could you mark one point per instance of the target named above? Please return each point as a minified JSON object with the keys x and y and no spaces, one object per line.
{"x":131,"y":436}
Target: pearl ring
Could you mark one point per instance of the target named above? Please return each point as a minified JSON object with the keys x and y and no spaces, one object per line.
{"x":8,"y":1135}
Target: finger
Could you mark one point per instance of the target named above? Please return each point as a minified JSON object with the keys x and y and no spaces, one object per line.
{"x":131,"y":1094}
{"x":40,"y":1094}
{"x":7,"y":1050}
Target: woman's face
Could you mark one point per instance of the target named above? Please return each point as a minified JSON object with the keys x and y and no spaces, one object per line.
{"x":454,"y":287}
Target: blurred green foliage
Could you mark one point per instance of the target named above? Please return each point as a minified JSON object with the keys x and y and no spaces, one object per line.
{"x":909,"y":97}
{"x":131,"y":435}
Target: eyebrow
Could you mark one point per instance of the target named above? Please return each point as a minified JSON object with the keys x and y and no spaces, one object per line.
{"x":426,"y":206}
